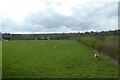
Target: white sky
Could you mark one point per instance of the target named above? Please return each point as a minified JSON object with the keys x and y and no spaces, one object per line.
{"x":17,"y":10}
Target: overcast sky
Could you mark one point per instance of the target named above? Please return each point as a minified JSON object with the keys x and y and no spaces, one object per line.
{"x":52,"y":16}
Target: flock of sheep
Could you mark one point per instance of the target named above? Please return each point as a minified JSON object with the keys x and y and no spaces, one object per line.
{"x":96,"y":55}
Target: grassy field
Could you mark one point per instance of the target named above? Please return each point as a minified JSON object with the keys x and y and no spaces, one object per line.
{"x":54,"y":59}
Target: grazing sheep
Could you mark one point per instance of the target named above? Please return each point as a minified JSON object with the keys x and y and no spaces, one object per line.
{"x":55,"y":46}
{"x":96,"y":55}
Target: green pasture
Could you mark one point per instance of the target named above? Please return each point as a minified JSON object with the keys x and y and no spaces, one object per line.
{"x":54,"y":59}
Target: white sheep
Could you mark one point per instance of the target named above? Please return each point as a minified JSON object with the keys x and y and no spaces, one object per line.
{"x":96,"y":55}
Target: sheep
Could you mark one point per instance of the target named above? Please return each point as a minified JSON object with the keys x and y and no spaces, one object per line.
{"x":97,"y":56}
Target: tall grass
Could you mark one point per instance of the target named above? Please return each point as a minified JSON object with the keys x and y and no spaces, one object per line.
{"x":106,"y":44}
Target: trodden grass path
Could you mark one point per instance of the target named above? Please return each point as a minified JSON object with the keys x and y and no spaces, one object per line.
{"x":40,"y":59}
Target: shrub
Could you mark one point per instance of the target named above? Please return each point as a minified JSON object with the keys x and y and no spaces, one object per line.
{"x":98,"y":45}
{"x":107,"y":44}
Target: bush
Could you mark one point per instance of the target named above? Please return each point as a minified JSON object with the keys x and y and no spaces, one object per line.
{"x":107,"y":44}
{"x":98,"y":45}
{"x":89,"y":41}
